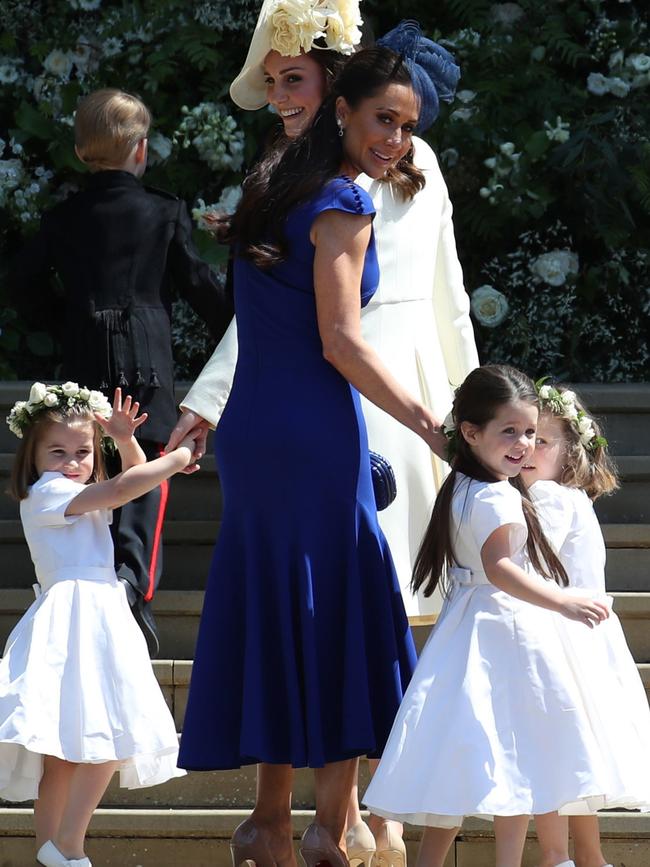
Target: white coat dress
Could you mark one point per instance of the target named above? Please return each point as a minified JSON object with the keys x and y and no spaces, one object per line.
{"x":419,"y":324}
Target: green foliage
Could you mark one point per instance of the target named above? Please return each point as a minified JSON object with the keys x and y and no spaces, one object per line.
{"x":545,"y":151}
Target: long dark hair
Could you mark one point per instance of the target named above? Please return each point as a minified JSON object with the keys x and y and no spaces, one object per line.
{"x":292,"y":171}
{"x":477,"y":401}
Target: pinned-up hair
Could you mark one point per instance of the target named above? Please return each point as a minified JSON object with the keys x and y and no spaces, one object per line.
{"x":477,"y":401}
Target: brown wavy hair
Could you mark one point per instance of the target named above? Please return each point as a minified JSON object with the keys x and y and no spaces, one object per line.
{"x":477,"y":401}
{"x":24,"y":473}
{"x":293,"y":170}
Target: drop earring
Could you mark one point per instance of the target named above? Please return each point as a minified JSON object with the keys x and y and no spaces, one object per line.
{"x":339,"y":123}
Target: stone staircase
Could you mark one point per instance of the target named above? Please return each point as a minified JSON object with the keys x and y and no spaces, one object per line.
{"x":188,"y":821}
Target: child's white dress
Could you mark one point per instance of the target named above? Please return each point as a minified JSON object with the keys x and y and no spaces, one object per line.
{"x":76,"y":681}
{"x":496,"y":720}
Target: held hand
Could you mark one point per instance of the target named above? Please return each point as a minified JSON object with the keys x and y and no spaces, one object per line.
{"x":189,"y":444}
{"x":583,"y":610}
{"x":125,"y":419}
{"x":186,"y":424}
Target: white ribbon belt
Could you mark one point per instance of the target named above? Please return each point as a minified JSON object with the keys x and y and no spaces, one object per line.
{"x":76,"y":573}
{"x":465,"y":577}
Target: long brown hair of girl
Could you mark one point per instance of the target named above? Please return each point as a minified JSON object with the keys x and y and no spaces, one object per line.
{"x":477,"y":401}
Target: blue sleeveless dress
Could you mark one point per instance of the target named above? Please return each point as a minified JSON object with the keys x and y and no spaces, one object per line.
{"x":304,"y":649}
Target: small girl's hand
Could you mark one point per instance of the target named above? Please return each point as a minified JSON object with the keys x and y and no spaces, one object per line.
{"x":584,"y":610}
{"x":125,"y":419}
{"x":189,"y":442}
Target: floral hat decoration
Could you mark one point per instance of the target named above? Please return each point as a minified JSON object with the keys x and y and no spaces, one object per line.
{"x":291,"y":27}
{"x":433,"y":70}
{"x":46,"y":397}
{"x":563,"y":403}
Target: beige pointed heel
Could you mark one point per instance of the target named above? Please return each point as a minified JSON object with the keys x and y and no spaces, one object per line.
{"x":248,"y":847}
{"x":360,"y":843}
{"x":394,"y":853}
{"x":317,"y":848}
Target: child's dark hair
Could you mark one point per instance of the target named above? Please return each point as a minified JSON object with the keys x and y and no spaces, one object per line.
{"x":589,"y":469}
{"x":24,"y":472}
{"x":292,"y":171}
{"x":477,"y":401}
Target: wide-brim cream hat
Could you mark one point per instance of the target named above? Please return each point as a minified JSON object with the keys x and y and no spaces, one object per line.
{"x":292,"y":27}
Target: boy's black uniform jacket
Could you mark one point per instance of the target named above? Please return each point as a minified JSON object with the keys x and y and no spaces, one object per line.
{"x":118,"y":249}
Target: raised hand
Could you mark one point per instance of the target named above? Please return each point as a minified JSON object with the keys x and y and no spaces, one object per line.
{"x":125,"y":419}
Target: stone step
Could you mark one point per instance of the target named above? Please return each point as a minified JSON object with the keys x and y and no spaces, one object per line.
{"x":178,"y":612}
{"x":200,"y":838}
{"x":192,"y":542}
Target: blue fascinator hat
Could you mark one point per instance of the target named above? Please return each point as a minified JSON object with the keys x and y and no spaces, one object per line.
{"x":432,"y":68}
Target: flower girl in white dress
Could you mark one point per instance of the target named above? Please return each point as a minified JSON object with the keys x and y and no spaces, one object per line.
{"x":495,"y":722}
{"x":569,"y":469}
{"x":78,"y":697}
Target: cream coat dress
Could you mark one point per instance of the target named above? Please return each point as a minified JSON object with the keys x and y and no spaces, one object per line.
{"x":418,"y":322}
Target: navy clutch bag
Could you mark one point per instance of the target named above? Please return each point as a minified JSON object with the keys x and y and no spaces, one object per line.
{"x":383,"y":481}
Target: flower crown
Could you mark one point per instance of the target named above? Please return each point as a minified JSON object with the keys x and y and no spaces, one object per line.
{"x":563,"y":404}
{"x":45,"y":397}
{"x":296,"y":25}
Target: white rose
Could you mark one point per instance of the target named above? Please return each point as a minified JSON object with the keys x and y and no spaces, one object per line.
{"x":58,"y":63}
{"x":37,"y":393}
{"x":554,"y":267}
{"x":584,"y":424}
{"x":489,"y":306}
{"x":639,"y":62}
{"x":545,"y":392}
{"x":51,"y":399}
{"x":295,"y":28}
{"x":618,"y":87}
{"x":597,"y":84}
{"x":84,"y":393}
{"x":568,"y":397}
{"x":70,"y":389}
{"x":96,"y":400}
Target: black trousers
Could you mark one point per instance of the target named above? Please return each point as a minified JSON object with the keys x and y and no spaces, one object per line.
{"x":137,"y":531}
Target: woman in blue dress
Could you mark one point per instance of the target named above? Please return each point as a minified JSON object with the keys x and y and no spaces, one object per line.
{"x":304,"y":649}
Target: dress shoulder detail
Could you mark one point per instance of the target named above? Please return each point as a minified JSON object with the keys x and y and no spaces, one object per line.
{"x":350,"y":197}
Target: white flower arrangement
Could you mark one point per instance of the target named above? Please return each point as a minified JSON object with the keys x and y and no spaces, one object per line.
{"x":297,"y":25}
{"x":214,"y":134}
{"x":563,"y":404}
{"x":43,"y":397}
{"x":489,"y":305}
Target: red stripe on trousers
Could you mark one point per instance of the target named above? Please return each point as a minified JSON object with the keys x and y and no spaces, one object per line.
{"x":164,"y":496}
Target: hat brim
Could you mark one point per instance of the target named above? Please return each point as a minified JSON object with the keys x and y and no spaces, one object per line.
{"x":248,"y":90}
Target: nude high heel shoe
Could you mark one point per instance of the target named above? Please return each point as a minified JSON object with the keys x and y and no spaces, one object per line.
{"x":248,"y":847}
{"x":318,"y":848}
{"x":360,"y":843}
{"x":394,"y":853}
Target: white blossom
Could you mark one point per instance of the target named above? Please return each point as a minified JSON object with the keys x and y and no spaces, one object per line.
{"x":51,"y":399}
{"x":507,"y":148}
{"x":160,"y":147}
{"x":37,"y":393}
{"x":561,"y":132}
{"x":70,"y":389}
{"x":618,"y":86}
{"x":465,"y":96}
{"x":489,"y":305}
{"x":112,"y":46}
{"x":59,"y":64}
{"x":597,"y":84}
{"x":639,"y":62}
{"x":554,"y":267}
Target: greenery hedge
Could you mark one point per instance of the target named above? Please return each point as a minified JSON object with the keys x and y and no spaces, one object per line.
{"x":546,"y":151}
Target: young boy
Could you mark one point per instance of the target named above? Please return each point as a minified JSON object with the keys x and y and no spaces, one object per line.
{"x":118,"y":248}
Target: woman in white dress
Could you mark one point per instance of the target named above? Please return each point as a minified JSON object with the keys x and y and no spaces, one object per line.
{"x":568,"y":471}
{"x":496,"y":721}
{"x":78,"y":697}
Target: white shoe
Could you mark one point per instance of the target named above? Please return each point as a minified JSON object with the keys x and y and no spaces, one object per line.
{"x":49,"y":856}
{"x":566,"y":864}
